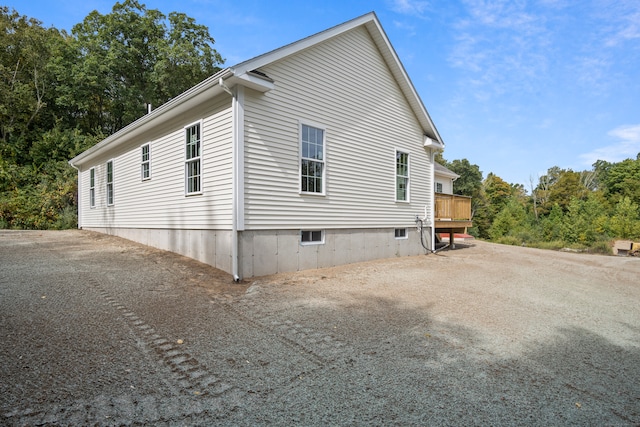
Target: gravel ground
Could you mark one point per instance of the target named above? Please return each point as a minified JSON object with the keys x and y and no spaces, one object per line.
{"x":98,"y":330}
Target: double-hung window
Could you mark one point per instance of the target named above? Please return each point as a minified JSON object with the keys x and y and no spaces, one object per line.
{"x":145,"y":162}
{"x":312,"y":159}
{"x":92,"y":188}
{"x":193,"y":167}
{"x":110,"y":182}
{"x":402,"y":176}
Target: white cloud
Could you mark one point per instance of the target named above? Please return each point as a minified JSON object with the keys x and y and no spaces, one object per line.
{"x":411,"y":29}
{"x":502,"y":46}
{"x":410,"y":7}
{"x":626,"y":146}
{"x":622,"y":22}
{"x":503,"y":14}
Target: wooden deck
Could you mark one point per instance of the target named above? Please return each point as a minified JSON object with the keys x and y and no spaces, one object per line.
{"x":453,"y":215}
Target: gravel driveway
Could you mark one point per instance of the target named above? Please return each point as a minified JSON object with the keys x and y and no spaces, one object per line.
{"x":102,"y":331}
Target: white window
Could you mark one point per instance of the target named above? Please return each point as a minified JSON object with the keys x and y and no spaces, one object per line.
{"x":312,"y":163}
{"x":311,"y":237}
{"x":401,"y":233}
{"x":92,"y":188}
{"x":438,"y":187}
{"x":402,"y":176}
{"x":145,"y":162}
{"x":193,"y":167}
{"x":110,"y":182}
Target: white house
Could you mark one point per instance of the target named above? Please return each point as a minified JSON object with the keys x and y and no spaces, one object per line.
{"x":444,"y":178}
{"x":316,"y":154}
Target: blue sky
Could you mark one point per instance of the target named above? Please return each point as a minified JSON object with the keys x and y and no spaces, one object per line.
{"x":515,"y":87}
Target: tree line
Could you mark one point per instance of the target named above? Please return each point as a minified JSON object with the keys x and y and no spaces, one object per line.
{"x":62,"y":93}
{"x":583,"y":210}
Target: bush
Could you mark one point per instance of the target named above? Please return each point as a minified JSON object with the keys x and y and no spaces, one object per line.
{"x":601,"y":247}
{"x":551,"y":245}
{"x":509,"y":240}
{"x":67,"y":219}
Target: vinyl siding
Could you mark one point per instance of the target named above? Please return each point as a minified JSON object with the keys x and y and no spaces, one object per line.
{"x":447,"y":184}
{"x":344,"y":86}
{"x":161,"y":202}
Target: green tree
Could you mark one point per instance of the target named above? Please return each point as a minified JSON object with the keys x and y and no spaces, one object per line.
{"x":510,"y":221}
{"x":25,"y":82}
{"x":622,"y":179}
{"x":492,"y":198}
{"x":560,"y":188}
{"x":625,"y":222}
{"x":129,"y":58}
{"x":551,"y":225}
{"x":60,"y":93}
{"x":470,"y":181}
{"x":582,"y":222}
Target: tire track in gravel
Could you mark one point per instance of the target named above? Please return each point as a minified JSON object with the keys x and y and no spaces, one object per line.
{"x":321,"y":349}
{"x":126,"y":409}
{"x":188,"y":374}
{"x":196,"y":395}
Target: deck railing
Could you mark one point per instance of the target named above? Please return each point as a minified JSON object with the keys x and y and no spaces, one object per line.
{"x":453,"y":207}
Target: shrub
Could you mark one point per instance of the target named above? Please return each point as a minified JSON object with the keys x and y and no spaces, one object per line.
{"x":601,"y":247}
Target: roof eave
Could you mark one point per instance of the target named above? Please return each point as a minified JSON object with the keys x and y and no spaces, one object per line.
{"x":243,"y":73}
{"x":372,"y":24}
{"x":393,"y":62}
{"x":165,"y":112}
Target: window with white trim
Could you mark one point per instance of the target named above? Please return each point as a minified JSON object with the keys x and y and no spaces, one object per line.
{"x":145,"y":162}
{"x":110,"y":183}
{"x":311,"y":237}
{"x":193,"y":167}
{"x":92,"y":188}
{"x":401,"y":233}
{"x":438,"y":187}
{"x":312,"y":163}
{"x":402,"y":176}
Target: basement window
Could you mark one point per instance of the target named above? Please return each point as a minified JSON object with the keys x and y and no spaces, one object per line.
{"x":401,"y":233}
{"x":311,"y":237}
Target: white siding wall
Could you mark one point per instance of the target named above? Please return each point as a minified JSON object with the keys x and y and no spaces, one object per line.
{"x":344,"y":86}
{"x":447,"y":184}
{"x":161,"y":202}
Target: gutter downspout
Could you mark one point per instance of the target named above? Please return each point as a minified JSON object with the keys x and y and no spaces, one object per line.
{"x":237,"y":211}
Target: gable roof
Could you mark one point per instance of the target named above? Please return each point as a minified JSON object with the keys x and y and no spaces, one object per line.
{"x":245,"y":73}
{"x":372,"y":24}
{"x":444,"y":171}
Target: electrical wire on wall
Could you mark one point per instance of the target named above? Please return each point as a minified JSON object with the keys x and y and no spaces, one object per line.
{"x":421,"y":228}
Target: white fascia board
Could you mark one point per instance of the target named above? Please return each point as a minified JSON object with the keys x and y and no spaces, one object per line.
{"x":447,"y":175}
{"x":300,"y":45}
{"x":188,"y":99}
{"x":443,"y":171}
{"x":251,"y":81}
{"x":372,"y":24}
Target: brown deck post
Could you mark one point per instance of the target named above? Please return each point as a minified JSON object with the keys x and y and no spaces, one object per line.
{"x":451,"y":244}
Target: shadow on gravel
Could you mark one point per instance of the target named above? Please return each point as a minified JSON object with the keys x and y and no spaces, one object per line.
{"x":403,"y":367}
{"x":88,"y":348}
